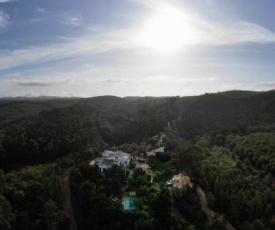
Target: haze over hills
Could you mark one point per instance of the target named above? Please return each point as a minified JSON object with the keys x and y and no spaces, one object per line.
{"x":200,"y":111}
{"x":15,"y":108}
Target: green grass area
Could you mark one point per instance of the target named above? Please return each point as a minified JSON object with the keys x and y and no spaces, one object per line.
{"x":160,"y":169}
{"x":159,"y":165}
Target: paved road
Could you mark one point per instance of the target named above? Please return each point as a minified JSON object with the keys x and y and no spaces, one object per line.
{"x":68,"y":210}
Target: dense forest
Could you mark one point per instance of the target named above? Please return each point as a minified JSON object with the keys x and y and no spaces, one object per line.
{"x":224,"y":142}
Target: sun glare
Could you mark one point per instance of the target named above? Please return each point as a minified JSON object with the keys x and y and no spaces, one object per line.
{"x":168,"y":30}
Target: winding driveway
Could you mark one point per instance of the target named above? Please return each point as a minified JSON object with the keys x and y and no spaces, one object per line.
{"x":203,"y":201}
{"x":68,"y":210}
{"x":208,"y":211}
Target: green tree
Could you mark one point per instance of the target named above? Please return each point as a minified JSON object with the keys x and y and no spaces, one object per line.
{"x":51,"y":215}
{"x":6,"y":215}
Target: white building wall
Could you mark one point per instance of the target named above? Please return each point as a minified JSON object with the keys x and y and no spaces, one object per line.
{"x":122,"y":161}
{"x":102,"y":168}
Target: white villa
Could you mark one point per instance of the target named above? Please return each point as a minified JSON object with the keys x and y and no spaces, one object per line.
{"x":106,"y":164}
{"x":110,"y":158}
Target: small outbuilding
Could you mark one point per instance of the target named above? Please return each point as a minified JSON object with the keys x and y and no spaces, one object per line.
{"x":159,"y":150}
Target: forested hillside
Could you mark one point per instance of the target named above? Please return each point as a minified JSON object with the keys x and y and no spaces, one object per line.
{"x":224,"y":142}
{"x":220,"y":113}
{"x":15,"y":108}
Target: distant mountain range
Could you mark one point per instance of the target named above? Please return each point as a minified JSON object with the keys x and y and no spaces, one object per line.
{"x":219,"y":112}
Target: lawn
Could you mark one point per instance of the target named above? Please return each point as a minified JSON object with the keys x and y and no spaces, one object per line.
{"x":160,"y":169}
{"x":159,"y":165}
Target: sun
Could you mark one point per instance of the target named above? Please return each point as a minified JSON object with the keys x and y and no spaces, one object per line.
{"x":168,"y":30}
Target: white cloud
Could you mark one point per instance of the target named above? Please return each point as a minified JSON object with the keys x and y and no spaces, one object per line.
{"x":72,"y":19}
{"x":133,"y":71}
{"x":153,"y":4}
{"x":72,"y":48}
{"x":238,"y":32}
{"x":225,"y":31}
{"x":178,"y":80}
{"x":37,"y":82}
{"x":4,"y":19}
{"x":4,"y":1}
{"x":255,"y":86}
{"x":106,"y":39}
{"x":89,"y":80}
{"x":41,"y":10}
{"x":230,"y":33}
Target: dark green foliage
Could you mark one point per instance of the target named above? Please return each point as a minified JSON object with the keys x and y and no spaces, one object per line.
{"x":162,"y":207}
{"x":6,"y":215}
{"x":221,"y":114}
{"x":31,"y":199}
{"x":93,"y":193}
{"x":258,"y":149}
{"x":224,"y":141}
{"x":12,"y":109}
{"x":241,"y":183}
{"x":51,"y":135}
{"x":188,"y":158}
{"x":57,"y":132}
{"x":187,"y":204}
{"x":237,"y":173}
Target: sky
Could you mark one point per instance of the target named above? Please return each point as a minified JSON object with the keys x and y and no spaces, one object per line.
{"x":86,"y":48}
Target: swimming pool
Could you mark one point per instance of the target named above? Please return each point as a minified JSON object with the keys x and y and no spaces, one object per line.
{"x":129,"y":204}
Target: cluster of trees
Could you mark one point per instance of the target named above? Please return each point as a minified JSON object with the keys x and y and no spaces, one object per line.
{"x":94,"y":204}
{"x":235,"y":168}
{"x":31,"y":199}
{"x":56,"y":133}
{"x":237,"y":173}
{"x":156,"y":207}
{"x":47,"y":137}
{"x":188,"y":213}
{"x":257,"y":150}
{"x":223,"y":113}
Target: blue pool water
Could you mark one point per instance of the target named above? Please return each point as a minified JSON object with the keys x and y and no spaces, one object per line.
{"x":129,"y":204}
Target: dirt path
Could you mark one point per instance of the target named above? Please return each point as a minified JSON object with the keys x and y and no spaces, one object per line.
{"x":160,"y":141}
{"x":210,"y":212}
{"x":67,"y":209}
{"x":203,"y":200}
